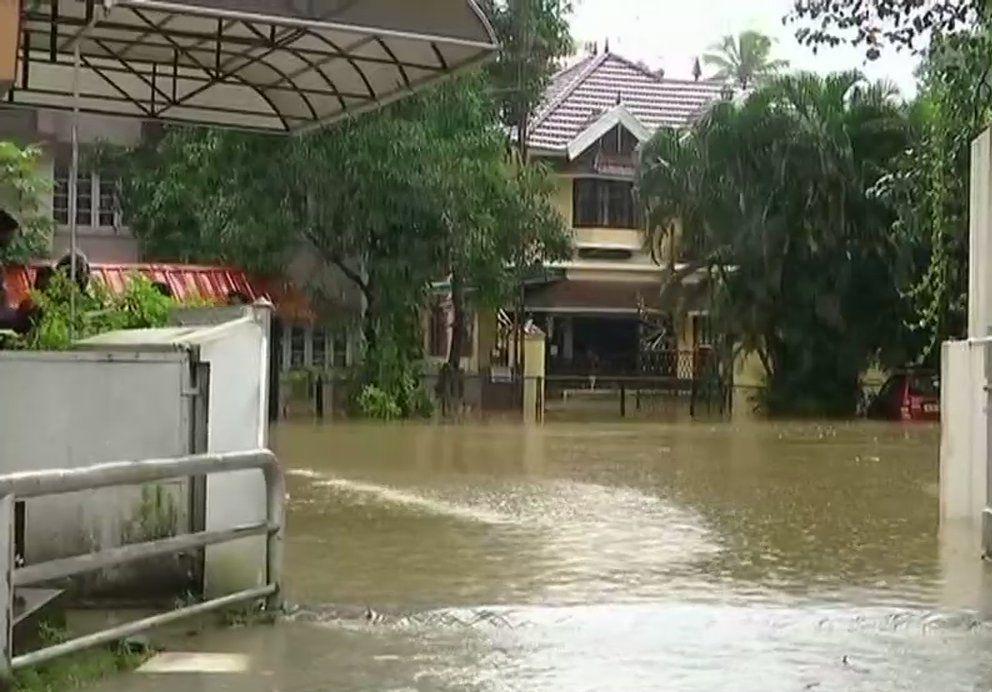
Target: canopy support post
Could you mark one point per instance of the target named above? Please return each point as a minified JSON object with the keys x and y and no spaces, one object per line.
{"x":74,"y":187}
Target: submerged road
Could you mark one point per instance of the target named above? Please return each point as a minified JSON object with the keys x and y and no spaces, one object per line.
{"x":621,"y":555}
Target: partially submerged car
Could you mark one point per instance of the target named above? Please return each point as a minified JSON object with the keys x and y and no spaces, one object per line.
{"x":911,"y":395}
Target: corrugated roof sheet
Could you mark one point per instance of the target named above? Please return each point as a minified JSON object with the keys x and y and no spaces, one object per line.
{"x":186,"y":282}
{"x":580,"y":93}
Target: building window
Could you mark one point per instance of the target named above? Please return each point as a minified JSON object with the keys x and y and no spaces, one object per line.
{"x":318,"y":342}
{"x":107,"y":202}
{"x":468,"y":339}
{"x":437,"y":331}
{"x":604,"y":204}
{"x":340,"y":349}
{"x":97,"y":199}
{"x":603,"y":253}
{"x":60,"y":195}
{"x":702,"y":330}
{"x":297,"y":347}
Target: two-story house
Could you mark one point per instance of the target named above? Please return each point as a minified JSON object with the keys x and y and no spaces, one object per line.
{"x":102,"y":234}
{"x":315,"y":331}
{"x":602,"y":310}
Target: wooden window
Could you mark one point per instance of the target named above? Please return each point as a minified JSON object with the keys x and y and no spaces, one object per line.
{"x":297,"y":347}
{"x":339,"y":348}
{"x":318,"y":341}
{"x":469,"y":336}
{"x":438,"y":331}
{"x":585,"y":200}
{"x":604,"y":204}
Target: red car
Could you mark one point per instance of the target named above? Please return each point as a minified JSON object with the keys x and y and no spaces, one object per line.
{"x":908,"y":396}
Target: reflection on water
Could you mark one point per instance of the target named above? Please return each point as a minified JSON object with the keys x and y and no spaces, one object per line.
{"x":619,"y":556}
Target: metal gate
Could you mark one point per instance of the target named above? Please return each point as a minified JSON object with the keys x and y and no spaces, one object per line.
{"x":18,"y":486}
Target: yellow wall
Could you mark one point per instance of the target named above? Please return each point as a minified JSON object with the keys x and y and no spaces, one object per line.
{"x":748,"y":371}
{"x":563,"y":198}
{"x":614,"y":237}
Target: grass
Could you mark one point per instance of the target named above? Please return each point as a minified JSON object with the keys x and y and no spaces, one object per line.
{"x":86,"y":667}
{"x":76,"y":670}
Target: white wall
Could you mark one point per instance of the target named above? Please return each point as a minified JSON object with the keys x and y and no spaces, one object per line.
{"x":68,"y":410}
{"x":963,"y":432}
{"x":963,"y":407}
{"x":238,"y":360}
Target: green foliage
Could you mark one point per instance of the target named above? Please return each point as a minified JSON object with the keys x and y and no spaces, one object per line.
{"x":156,"y":516}
{"x":392,"y":383}
{"x":744,"y":60}
{"x":873,"y":24}
{"x":78,"y":670}
{"x":378,"y":404}
{"x":97,"y":311}
{"x":23,"y":195}
{"x":388,"y":202}
{"x":533,"y":35}
{"x":774,"y":193}
{"x":929,"y":187}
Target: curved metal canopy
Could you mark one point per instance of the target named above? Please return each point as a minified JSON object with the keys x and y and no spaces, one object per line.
{"x":274,"y":65}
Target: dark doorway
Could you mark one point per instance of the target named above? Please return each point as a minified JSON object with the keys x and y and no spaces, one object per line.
{"x":606,"y":345}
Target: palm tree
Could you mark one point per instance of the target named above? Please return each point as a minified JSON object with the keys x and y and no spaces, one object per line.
{"x":744,"y":59}
{"x":776,"y":193}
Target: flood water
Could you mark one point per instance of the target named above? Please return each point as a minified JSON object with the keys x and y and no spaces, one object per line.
{"x":615,"y":556}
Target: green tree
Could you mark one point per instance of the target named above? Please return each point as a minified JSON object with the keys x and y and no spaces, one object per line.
{"x":775,"y":192}
{"x":929,"y":188}
{"x":534,"y":35}
{"x":394,"y":200}
{"x":25,"y":224}
{"x":874,"y":24}
{"x":744,"y":59}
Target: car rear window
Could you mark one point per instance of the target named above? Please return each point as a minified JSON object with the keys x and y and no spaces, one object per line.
{"x":924,"y":385}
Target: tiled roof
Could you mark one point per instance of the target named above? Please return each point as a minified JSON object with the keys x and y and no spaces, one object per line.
{"x":185,"y":281}
{"x":582,"y":92}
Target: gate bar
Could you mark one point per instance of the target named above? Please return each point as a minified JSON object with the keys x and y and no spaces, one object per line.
{"x":126,"y":630}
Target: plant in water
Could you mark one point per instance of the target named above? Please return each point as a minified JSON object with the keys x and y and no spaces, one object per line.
{"x":76,"y":670}
{"x":375,"y":403}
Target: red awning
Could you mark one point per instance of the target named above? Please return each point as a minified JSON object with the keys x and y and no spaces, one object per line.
{"x":186,"y":282}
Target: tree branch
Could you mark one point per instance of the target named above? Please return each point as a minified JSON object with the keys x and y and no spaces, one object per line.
{"x":340,"y":263}
{"x":675,"y":280}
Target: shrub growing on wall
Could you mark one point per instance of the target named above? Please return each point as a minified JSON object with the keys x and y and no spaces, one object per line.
{"x":53,"y":328}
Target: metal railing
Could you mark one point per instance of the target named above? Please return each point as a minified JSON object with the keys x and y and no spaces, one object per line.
{"x":57,"y":481}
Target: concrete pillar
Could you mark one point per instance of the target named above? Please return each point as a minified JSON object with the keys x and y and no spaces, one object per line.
{"x":533,"y":399}
{"x":6,"y":590}
{"x":964,"y":443}
{"x":980,"y":238}
{"x":963,"y":433}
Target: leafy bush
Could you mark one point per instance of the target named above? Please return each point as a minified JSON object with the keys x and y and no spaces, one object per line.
{"x":97,"y":311}
{"x":378,"y":404}
{"x":24,"y":193}
{"x":392,"y":384}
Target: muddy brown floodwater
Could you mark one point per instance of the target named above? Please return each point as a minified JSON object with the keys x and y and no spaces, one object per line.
{"x":615,"y":556}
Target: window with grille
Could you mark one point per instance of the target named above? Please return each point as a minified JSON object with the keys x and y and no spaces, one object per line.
{"x":60,"y":195}
{"x":438,"y":331}
{"x":599,"y":203}
{"x":340,"y":349}
{"x":97,"y":199}
{"x":319,"y":347}
{"x":108,"y":201}
{"x":297,"y":347}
